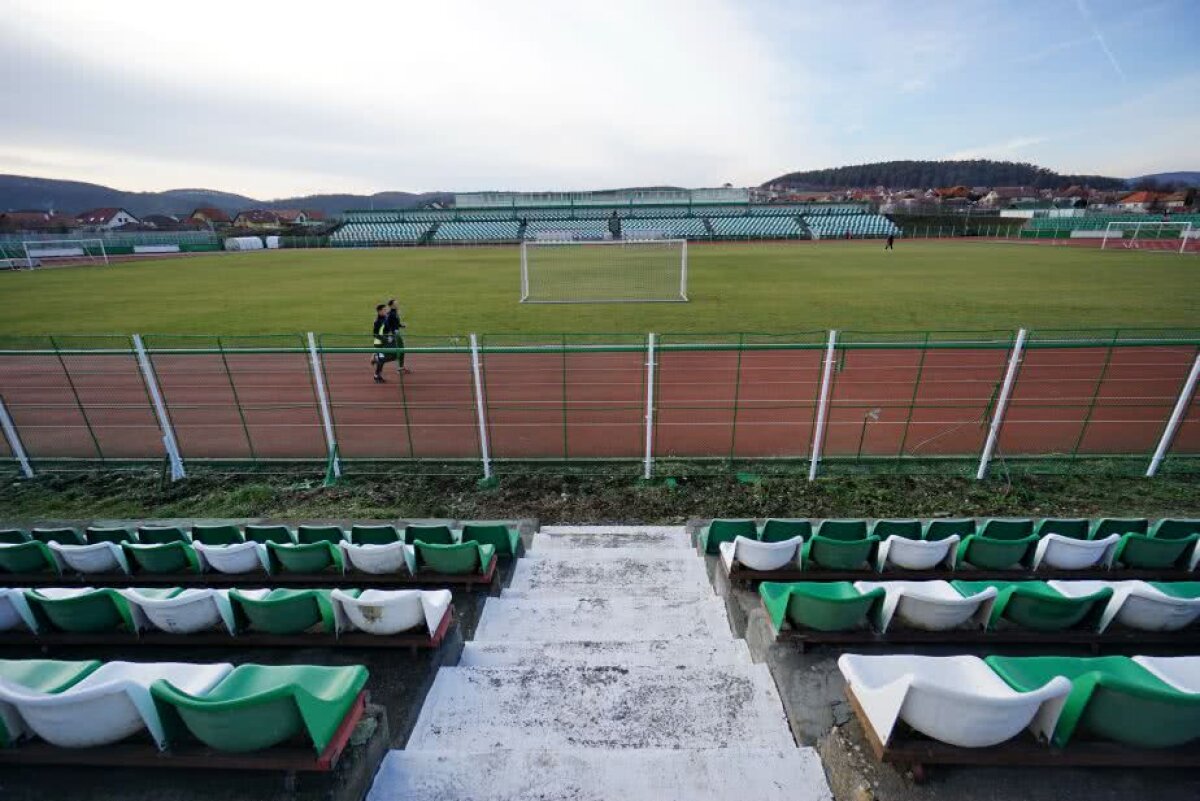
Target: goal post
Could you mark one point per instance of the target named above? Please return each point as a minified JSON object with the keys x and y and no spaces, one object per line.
{"x":1161,"y":236}
{"x":605,"y":271}
{"x":39,"y":251}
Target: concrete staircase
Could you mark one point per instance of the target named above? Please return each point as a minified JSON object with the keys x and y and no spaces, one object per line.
{"x":606,"y":672}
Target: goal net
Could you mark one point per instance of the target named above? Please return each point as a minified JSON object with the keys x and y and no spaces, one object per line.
{"x":42,"y":252}
{"x":616,"y":271}
{"x":1169,"y":237}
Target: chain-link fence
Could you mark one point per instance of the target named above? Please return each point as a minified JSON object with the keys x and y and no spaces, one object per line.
{"x":669,"y":404}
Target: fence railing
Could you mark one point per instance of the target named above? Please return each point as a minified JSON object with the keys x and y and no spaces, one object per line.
{"x":821,"y":402}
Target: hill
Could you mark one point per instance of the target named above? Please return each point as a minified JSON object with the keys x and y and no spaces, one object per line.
{"x":72,"y":197}
{"x":1168,"y":179}
{"x":925,"y":174}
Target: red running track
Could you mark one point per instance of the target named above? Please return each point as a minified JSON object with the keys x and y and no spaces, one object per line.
{"x":883,"y":403}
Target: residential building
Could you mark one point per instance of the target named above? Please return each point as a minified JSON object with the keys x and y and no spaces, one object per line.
{"x":106,"y":218}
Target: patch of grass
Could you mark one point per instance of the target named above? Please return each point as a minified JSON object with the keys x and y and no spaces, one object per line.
{"x":784,"y":287}
{"x":558,"y":499}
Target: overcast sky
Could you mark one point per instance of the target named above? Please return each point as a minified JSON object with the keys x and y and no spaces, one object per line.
{"x":273,"y":99}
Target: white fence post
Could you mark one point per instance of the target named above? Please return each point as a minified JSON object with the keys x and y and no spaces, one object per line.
{"x":822,"y":406}
{"x":318,"y":372}
{"x":160,"y":411}
{"x":648,"y":470}
{"x":1010,"y":376}
{"x":14,"y":441}
{"x":1177,"y":414}
{"x":484,"y":450}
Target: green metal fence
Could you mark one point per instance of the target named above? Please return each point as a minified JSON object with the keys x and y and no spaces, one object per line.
{"x":816,"y":402}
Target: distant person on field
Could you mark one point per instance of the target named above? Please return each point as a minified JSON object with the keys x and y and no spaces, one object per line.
{"x":381,"y":339}
{"x":891,"y":243}
{"x":393,"y":327}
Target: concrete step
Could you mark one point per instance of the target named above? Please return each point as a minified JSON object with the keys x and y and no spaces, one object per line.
{"x":602,"y":775}
{"x":611,"y":537}
{"x":551,"y":707}
{"x":609,"y":572}
{"x":647,"y":653}
{"x":603,"y":619}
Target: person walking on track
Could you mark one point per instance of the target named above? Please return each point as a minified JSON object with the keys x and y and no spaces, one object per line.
{"x":380,"y":338}
{"x":891,"y":243}
{"x":393,"y":327}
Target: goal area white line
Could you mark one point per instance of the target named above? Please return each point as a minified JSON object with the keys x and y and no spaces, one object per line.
{"x":604,"y":271}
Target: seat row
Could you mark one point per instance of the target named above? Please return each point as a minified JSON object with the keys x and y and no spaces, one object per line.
{"x":504,"y":539}
{"x":982,"y":605}
{"x":965,"y":701}
{"x":247,"y":708}
{"x":1053,"y":544}
{"x":181,"y":557}
{"x":179,"y":610}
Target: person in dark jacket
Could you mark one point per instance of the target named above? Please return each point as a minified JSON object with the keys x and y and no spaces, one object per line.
{"x":891,"y":242}
{"x":393,"y":327}
{"x":380,"y":338}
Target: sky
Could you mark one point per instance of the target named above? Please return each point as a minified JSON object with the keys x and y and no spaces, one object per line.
{"x":273,"y":99}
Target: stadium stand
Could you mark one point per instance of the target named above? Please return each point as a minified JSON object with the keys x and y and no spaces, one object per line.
{"x":374,"y":233}
{"x":828,"y":225}
{"x":664,"y":228}
{"x":1054,"y":227}
{"x":566,"y":229}
{"x":755,"y":228}
{"x":482,"y":231}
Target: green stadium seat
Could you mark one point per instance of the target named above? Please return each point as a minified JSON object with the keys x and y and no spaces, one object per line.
{"x":169,"y":557}
{"x":942,"y":528}
{"x":1075,"y":528}
{"x":1172,"y":529}
{"x":1000,"y":545}
{"x":280,"y":535}
{"x":315,"y":557}
{"x":28,"y":557}
{"x":718,"y":531}
{"x":431,"y":535}
{"x":1038,"y":606}
{"x":1112,"y":525}
{"x":374,"y":535}
{"x":908,"y":529}
{"x":837,"y":552}
{"x":285,"y":611}
{"x":307,"y":535}
{"x":83,"y":610}
{"x":115,"y":535}
{"x":13,"y":536}
{"x":161,"y":535}
{"x":1150,"y":552}
{"x":217,"y":534}
{"x":63,"y":536}
{"x":461,"y":559}
{"x":844,"y":530}
{"x":821,"y":606}
{"x":778,"y":530}
{"x":505,"y":540}
{"x":1112,"y":698}
{"x":257,"y":706}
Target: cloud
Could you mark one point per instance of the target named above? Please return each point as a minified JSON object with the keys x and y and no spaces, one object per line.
{"x":1099,"y":37}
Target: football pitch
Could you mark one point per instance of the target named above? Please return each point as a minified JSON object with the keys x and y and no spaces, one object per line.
{"x":769,"y":288}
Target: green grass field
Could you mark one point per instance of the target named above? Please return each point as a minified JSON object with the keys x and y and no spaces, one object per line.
{"x":774,"y":288}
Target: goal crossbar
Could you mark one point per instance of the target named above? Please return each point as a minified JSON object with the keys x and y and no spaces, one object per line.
{"x":604,"y":271}
{"x":1146,"y":234}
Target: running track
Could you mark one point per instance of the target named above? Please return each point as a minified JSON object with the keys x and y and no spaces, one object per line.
{"x":580,"y":405}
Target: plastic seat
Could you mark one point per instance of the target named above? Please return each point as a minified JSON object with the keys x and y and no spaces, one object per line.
{"x":100,"y":557}
{"x":184,"y":611}
{"x":843,"y":530}
{"x":1039,"y":606}
{"x":217,"y":534}
{"x":1111,"y":698}
{"x":280,"y":535}
{"x":430,"y":535}
{"x":718,"y":531}
{"x":161,"y":535}
{"x":116,"y":535}
{"x":387,"y":612}
{"x":835,"y":553}
{"x":505,"y":540}
{"x":1141,"y":605}
{"x":777,"y":530}
{"x":908,"y":529}
{"x":462,"y":559}
{"x":286,"y":611}
{"x":1151,"y":552}
{"x":1181,"y":672}
{"x":928,"y":605}
{"x":379,"y":560}
{"x":1176,"y":529}
{"x":1000,"y":545}
{"x":13,"y":536}
{"x":169,"y":557}
{"x":1068,"y":552}
{"x":236,"y":558}
{"x":63,"y":536}
{"x":316,"y":557}
{"x":258,"y":706}
{"x":15,"y":614}
{"x":1118,"y":525}
{"x":28,"y":557}
{"x":906,"y":548}
{"x":108,"y":704}
{"x":84,"y":610}
{"x":35,"y":676}
{"x":957,"y":699}
{"x":1074,"y":528}
{"x":307,"y":535}
{"x":375,"y":535}
{"x":819,"y":605}
{"x":943,"y":528}
{"x":765,"y":556}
